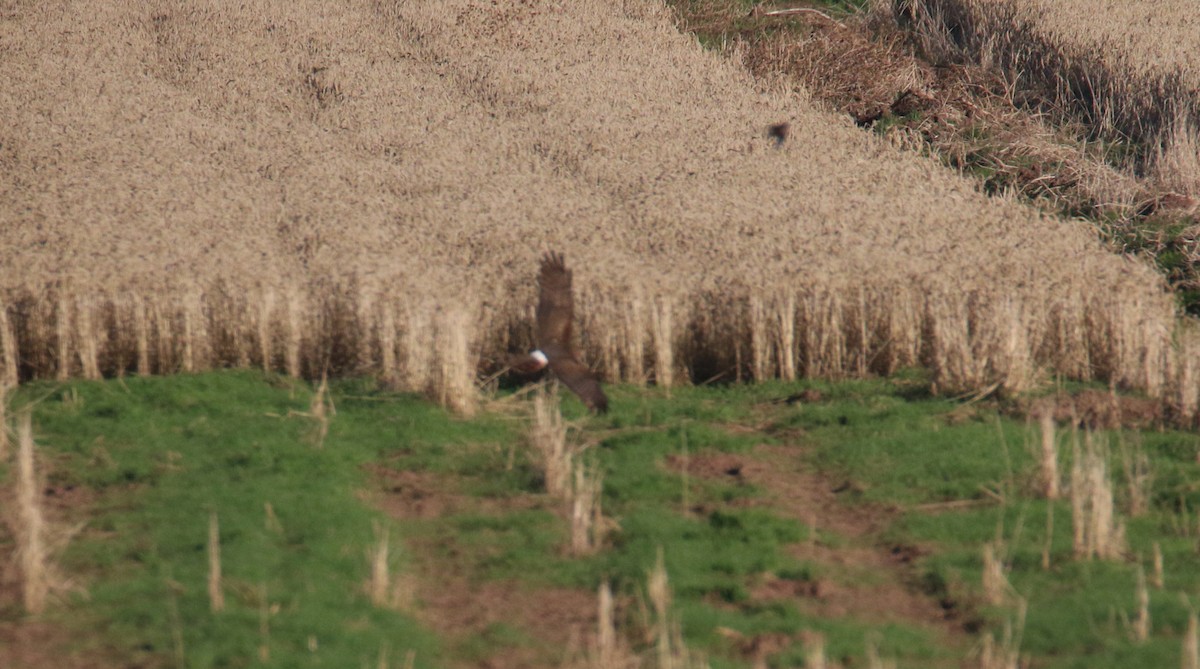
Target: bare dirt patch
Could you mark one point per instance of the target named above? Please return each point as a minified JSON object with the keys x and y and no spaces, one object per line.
{"x":520,"y":626}
{"x":45,"y":645}
{"x":548,"y":621}
{"x":410,"y":494}
{"x":866,"y":579}
{"x":1097,"y":410}
{"x":40,"y":642}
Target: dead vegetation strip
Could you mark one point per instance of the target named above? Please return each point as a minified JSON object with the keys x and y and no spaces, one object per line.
{"x":941,"y":77}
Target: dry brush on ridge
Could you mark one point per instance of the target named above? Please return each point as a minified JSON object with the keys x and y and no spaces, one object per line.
{"x":367,"y":188}
{"x":1131,"y":70}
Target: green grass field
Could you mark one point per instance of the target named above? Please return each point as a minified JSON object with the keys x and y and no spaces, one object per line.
{"x":145,"y":462}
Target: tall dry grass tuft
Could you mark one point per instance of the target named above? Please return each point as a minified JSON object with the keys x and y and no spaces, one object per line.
{"x":9,"y":371}
{"x":1157,"y":559}
{"x":662,"y":321}
{"x":379,"y":586}
{"x":1005,"y":654}
{"x":456,"y":364}
{"x":1190,"y":657}
{"x":389,"y":365}
{"x":606,"y":650}
{"x":814,"y":650}
{"x":1098,"y":531}
{"x":633,"y":338}
{"x":1141,"y":622}
{"x":1049,"y":452}
{"x":587,"y":519}
{"x":1176,"y":162}
{"x":216,"y":591}
{"x":670,"y":651}
{"x":1139,"y":478}
{"x":4,"y":440}
{"x":548,"y":436}
{"x":996,"y":589}
{"x":30,"y":531}
{"x":321,"y":409}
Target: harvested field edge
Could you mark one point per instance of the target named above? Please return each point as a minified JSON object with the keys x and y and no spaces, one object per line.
{"x":1101,"y":87}
{"x":969,"y":339}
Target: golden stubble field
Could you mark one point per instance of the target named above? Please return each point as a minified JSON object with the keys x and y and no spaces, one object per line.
{"x":368,"y":186}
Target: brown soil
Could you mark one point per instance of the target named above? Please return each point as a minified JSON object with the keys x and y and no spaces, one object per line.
{"x":866,"y":579}
{"x":1097,"y":410}
{"x":45,"y":645}
{"x":544,"y":624}
{"x":41,"y":642}
{"x":554,"y":619}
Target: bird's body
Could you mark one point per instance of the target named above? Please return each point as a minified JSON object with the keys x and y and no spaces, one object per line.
{"x":555,"y":313}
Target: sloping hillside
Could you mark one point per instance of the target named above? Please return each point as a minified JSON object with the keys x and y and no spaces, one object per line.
{"x":367,"y":186}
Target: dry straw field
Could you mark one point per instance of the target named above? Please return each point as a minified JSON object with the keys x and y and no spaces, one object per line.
{"x":1130,"y":69}
{"x":366,"y":187}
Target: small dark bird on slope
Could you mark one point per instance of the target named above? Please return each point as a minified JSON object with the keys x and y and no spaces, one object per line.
{"x":779,"y":133}
{"x":555,"y":312}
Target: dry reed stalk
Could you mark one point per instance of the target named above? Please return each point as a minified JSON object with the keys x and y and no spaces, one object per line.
{"x":1141,"y":624}
{"x":1176,"y":163}
{"x":1049,"y":459}
{"x":196,"y":340}
{"x":295,"y":331}
{"x":164,"y":340}
{"x":264,"y":624}
{"x":419,"y":343}
{"x":188,"y":341}
{"x":587,"y":521}
{"x":379,"y":586}
{"x":996,"y":588}
{"x":141,"y":327}
{"x":606,"y":650}
{"x":670,"y":651}
{"x":1007,"y":653}
{"x":390,"y":369}
{"x":785,"y":311}
{"x":321,"y":409}
{"x":1190,"y":657}
{"x":1157,"y":577}
{"x":548,"y":436}
{"x":89,"y":349}
{"x":270,"y":520}
{"x":633,"y":350}
{"x":759,"y":338}
{"x":62,"y":333}
{"x":216,"y":593}
{"x":266,"y":310}
{"x":1098,"y":531}
{"x":1187,"y":363}
{"x":663,"y":338}
{"x":9,"y":372}
{"x":456,"y":381}
{"x":4,"y":390}
{"x":1139,"y":478}
{"x":814,"y":650}
{"x":30,"y":534}
{"x":606,"y":628}
{"x":1049,"y":542}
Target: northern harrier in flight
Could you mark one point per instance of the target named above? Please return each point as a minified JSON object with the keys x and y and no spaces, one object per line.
{"x":555,"y":311}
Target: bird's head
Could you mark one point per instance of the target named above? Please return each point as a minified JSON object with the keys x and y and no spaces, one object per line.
{"x":541,"y":359}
